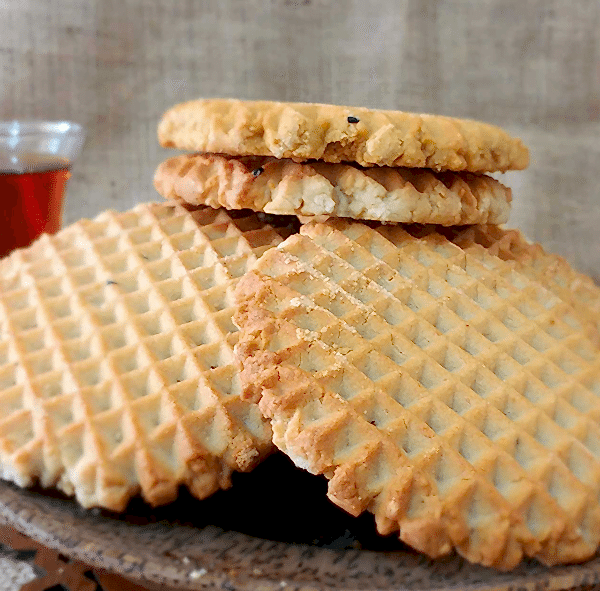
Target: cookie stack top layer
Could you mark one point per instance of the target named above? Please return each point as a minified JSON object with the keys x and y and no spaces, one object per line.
{"x":368,"y":137}
{"x":314,"y":160}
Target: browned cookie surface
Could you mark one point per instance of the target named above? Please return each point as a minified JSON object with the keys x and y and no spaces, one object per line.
{"x":438,"y":386}
{"x":320,"y":189}
{"x":117,"y":373}
{"x":332,"y":133}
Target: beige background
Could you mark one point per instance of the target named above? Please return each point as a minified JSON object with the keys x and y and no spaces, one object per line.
{"x":115,"y":65}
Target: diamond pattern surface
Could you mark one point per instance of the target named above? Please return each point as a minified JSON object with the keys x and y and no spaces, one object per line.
{"x":451,"y":393}
{"x":117,"y":373}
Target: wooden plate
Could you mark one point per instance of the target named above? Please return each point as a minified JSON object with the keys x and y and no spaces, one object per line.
{"x":273,"y":530}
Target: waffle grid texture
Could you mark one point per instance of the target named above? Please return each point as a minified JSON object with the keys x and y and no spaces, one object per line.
{"x":553,"y":271}
{"x":340,"y":190}
{"x":435,"y":385}
{"x":117,"y":374}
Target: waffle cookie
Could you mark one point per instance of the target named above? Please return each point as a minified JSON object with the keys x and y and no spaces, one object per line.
{"x":553,"y":271}
{"x":338,"y":190}
{"x":434,"y":385}
{"x":117,"y":374}
{"x":307,"y":131}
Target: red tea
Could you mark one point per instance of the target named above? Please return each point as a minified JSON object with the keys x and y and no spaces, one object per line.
{"x":31,"y":196}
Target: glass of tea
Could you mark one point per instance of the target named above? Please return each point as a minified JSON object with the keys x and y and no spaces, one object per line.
{"x":35,"y":163}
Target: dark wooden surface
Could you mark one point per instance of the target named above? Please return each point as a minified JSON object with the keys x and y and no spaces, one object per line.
{"x":38,"y":568}
{"x":311,"y":545}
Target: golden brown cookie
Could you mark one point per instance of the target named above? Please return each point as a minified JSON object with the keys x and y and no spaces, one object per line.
{"x":320,"y":189}
{"x":551,"y":270}
{"x":307,"y":131}
{"x":117,"y":374}
{"x":434,"y":385}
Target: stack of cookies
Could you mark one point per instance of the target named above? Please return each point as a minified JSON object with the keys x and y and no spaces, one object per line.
{"x":441,"y":372}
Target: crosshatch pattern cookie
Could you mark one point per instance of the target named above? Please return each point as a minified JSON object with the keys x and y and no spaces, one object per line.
{"x":553,"y":271}
{"x":338,"y":190}
{"x":117,"y":373}
{"x":308,"y":131}
{"x":441,"y":389}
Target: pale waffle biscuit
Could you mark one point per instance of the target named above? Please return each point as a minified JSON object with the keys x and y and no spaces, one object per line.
{"x":441,"y":389}
{"x":339,"y":190}
{"x":553,"y":271}
{"x":308,"y":131}
{"x":117,"y":373}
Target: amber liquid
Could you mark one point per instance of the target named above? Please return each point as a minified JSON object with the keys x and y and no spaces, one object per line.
{"x":31,"y":197}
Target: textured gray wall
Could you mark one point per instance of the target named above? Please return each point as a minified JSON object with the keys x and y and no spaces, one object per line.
{"x":116,"y":65}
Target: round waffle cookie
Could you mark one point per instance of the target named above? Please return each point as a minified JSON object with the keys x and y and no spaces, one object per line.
{"x":553,"y":271}
{"x":117,"y":373}
{"x":409,"y":195}
{"x":434,"y":384}
{"x":307,"y":131}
